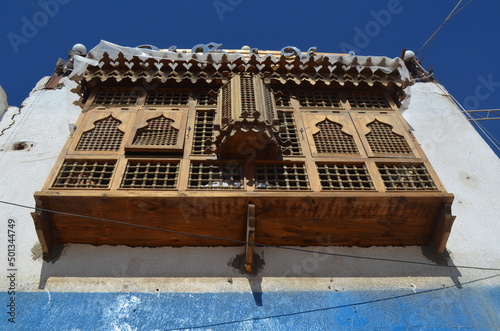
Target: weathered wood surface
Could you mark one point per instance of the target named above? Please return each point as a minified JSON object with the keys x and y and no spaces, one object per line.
{"x":281,"y":220}
{"x":250,"y":238}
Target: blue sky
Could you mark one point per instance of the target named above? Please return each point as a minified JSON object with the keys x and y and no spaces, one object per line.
{"x":464,"y":54}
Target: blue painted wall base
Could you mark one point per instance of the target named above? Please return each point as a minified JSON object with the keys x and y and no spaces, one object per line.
{"x":445,"y":308}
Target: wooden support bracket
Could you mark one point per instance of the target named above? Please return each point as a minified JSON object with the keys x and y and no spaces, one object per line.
{"x":250,"y":238}
{"x":51,"y":248}
{"x":443,"y":229}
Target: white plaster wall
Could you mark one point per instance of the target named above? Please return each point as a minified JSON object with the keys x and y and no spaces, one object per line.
{"x":464,"y":162}
{"x":42,"y":123}
{"x":3,"y":102}
{"x":468,"y":168}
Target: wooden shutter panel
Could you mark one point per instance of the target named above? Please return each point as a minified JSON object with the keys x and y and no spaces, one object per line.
{"x":330,"y":134}
{"x":383,"y":135}
{"x":157,"y":131}
{"x":101,"y":132}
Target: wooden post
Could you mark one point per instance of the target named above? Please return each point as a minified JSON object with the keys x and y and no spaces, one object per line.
{"x":443,"y":229}
{"x":46,"y":233}
{"x":250,"y":238}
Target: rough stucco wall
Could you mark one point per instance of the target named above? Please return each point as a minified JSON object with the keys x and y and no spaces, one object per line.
{"x":43,"y":125}
{"x":3,"y":102}
{"x":184,"y":285}
{"x":466,"y":165}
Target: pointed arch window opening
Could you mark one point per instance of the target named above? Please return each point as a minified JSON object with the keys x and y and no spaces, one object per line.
{"x":158,"y":132}
{"x":382,"y":139}
{"x":330,"y":139}
{"x":105,"y":136}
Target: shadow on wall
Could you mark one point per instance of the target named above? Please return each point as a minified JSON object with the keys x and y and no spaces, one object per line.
{"x":128,"y":262}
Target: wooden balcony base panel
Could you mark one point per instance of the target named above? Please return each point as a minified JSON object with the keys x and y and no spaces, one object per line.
{"x":290,"y":219}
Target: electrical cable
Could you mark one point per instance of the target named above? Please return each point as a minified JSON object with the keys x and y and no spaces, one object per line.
{"x":50,"y":28}
{"x":487,"y":134}
{"x":431,"y":39}
{"x":458,"y":11}
{"x":439,"y":28}
{"x":243,"y":241}
{"x":57,"y":26}
{"x":317,"y":310}
{"x":450,"y":16}
{"x":485,"y":131}
{"x":422,"y":58}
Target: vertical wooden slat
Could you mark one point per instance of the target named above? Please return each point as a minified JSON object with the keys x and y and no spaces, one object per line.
{"x":250,"y":238}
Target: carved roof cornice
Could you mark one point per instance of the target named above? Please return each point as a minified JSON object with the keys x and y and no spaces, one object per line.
{"x":120,"y":63}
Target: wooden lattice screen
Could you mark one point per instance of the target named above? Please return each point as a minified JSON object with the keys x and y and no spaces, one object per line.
{"x":168,"y":97}
{"x":282,"y":99}
{"x":248,"y":106}
{"x":105,"y":136}
{"x":344,"y":177}
{"x":116,"y":96}
{"x":290,"y":132}
{"x":331,"y":140}
{"x":158,"y":132}
{"x":151,"y":174}
{"x":85,"y":174}
{"x":206,"y":97}
{"x":215,"y":176}
{"x":382,"y":139}
{"x":318,"y":99}
{"x":203,"y":131}
{"x":226,"y":102}
{"x":366,"y":100}
{"x":281,"y":176}
{"x":406,"y":177}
